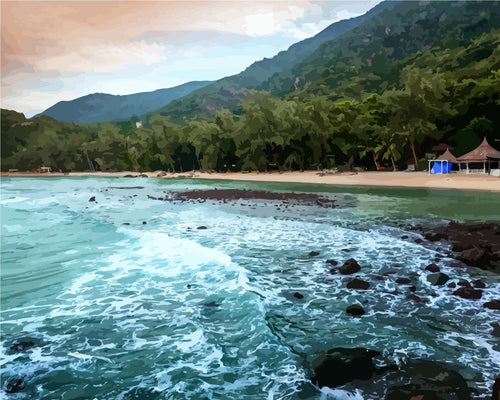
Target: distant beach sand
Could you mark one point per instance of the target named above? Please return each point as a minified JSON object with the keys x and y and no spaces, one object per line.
{"x":388,"y":179}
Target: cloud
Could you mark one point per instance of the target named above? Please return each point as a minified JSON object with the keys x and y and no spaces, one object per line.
{"x":52,"y":50}
{"x":104,"y":57}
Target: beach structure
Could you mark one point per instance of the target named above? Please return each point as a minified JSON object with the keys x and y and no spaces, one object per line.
{"x":480,"y":160}
{"x":138,"y":124}
{"x":443,"y":164}
{"x":44,"y":169}
{"x":441,"y":147}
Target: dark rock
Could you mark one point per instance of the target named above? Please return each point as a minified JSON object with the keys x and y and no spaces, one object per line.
{"x":351,"y":266}
{"x":144,"y":222}
{"x":414,"y":297}
{"x":429,"y":380}
{"x":211,"y":304}
{"x":468,"y":292}
{"x":314,"y":253}
{"x":341,"y":365}
{"x":14,"y":385}
{"x":404,"y":237}
{"x":403,"y":281}
{"x":472,"y":255}
{"x":418,"y":241}
{"x":479,"y":284}
{"x":358,"y":284}
{"x":202,"y":227}
{"x":92,"y":198}
{"x":297,"y":295}
{"x":463,"y":282}
{"x":355,"y":310}
{"x":333,"y":271}
{"x":432,"y":268}
{"x":413,"y":288}
{"x":452,"y":285}
{"x":495,"y":395}
{"x":492,"y":305}
{"x":437,"y":279}
{"x":434,"y":237}
{"x":332,"y":262}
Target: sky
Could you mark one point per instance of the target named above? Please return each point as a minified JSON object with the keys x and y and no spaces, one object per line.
{"x":61,"y":50}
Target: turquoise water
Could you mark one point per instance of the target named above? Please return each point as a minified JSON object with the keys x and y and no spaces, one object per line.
{"x":107,"y":295}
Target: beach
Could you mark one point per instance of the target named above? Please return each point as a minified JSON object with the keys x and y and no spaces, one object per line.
{"x":377,"y":179}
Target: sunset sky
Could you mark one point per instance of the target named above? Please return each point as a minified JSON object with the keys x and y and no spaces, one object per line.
{"x":55,"y":50}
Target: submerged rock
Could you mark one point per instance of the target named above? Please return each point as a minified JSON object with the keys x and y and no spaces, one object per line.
{"x":355,"y":310}
{"x":92,"y":198}
{"x":14,"y":385}
{"x":211,"y":304}
{"x":492,"y":305}
{"x":297,"y":295}
{"x":342,"y":365}
{"x":314,"y":253}
{"x":202,"y":227}
{"x":332,"y":262}
{"x":351,"y":266}
{"x":403,"y":281}
{"x":23,"y":344}
{"x":496,"y":329}
{"x":437,"y":279}
{"x":467,"y":292}
{"x":429,"y":380}
{"x":358,"y":284}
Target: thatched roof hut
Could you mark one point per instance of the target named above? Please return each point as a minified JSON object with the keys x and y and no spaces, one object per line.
{"x":479,"y":154}
{"x":447,"y":156}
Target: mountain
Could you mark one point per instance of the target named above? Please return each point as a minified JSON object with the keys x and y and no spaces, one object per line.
{"x":370,"y":57}
{"x":228,"y":91}
{"x":99,"y":107}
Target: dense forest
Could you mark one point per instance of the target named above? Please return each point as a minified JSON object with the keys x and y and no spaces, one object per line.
{"x":380,"y":94}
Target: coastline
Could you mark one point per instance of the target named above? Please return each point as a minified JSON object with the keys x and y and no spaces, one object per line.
{"x":367,"y":179}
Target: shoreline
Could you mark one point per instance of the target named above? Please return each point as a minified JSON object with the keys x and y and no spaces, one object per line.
{"x":366,"y":179}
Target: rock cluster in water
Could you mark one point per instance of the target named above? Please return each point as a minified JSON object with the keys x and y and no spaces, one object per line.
{"x":415,"y":380}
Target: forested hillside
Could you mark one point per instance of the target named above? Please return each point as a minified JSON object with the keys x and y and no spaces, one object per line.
{"x":365,"y":102}
{"x":99,"y":107}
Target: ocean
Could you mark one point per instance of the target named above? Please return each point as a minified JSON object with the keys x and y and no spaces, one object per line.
{"x":126,"y":298}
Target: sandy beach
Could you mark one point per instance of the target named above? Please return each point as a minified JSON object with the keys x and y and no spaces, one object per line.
{"x":388,"y":179}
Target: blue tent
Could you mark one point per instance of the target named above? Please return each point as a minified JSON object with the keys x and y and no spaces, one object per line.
{"x":441,"y":167}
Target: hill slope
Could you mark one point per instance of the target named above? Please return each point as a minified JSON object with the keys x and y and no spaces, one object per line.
{"x":370,"y":57}
{"x":104,"y":107}
{"x":227,"y":92}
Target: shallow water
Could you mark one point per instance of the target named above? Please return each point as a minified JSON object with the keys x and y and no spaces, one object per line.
{"x":108,"y":295}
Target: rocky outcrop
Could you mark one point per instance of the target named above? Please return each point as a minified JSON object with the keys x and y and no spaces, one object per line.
{"x":429,"y":380}
{"x":492,"y":305}
{"x":468,"y":292}
{"x":351,"y":266}
{"x":476,"y":245}
{"x":358,"y":284}
{"x":341,"y":365}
